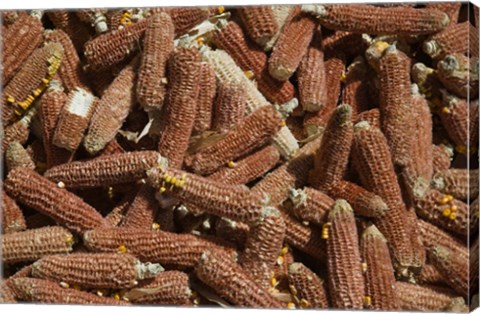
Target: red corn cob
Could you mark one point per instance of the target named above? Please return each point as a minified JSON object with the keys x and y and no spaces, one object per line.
{"x":12,"y":216}
{"x":453,"y":268}
{"x":157,"y":47}
{"x":116,"y":215}
{"x":233,"y":231}
{"x":460,"y":183}
{"x":205,"y":99}
{"x":141,"y":212}
{"x":283,"y":15}
{"x":307,"y":286}
{"x":452,"y":9}
{"x":6,"y":294}
{"x":259,"y":22}
{"x":430,"y":275}
{"x":185,"y":19}
{"x":105,"y":171}
{"x":18,"y":131}
{"x":371,"y":116}
{"x":355,"y":90}
{"x":70,"y":24}
{"x":350,"y":43}
{"x":459,"y":75}
{"x":113,"y":147}
{"x":33,"y":244}
{"x":230,"y":106}
{"x":17,"y":156}
{"x":454,"y":117}
{"x":311,"y":205}
{"x":413,"y":297}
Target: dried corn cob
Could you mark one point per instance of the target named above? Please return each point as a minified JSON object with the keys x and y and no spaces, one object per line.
{"x":459,"y":75}
{"x":73,"y":120}
{"x":141,"y":212}
{"x":413,"y":297}
{"x":230,"y":106}
{"x":169,"y":288}
{"x":19,"y":41}
{"x":259,"y":22}
{"x":454,"y":117}
{"x":233,"y":231}
{"x":306,"y":285}
{"x":364,"y":18}
{"x":252,"y":133}
{"x":111,"y":110}
{"x":226,"y":277}
{"x":31,"y":189}
{"x":205,"y":99}
{"x":290,"y":47}
{"x":30,"y":81}
{"x":310,"y":205}
{"x":107,"y":170}
{"x":99,"y":270}
{"x":94,"y":17}
{"x":18,"y":131}
{"x":371,"y":116}
{"x":379,"y":276}
{"x":157,"y":47}
{"x":6,"y":294}
{"x":12,"y":216}
{"x":355,"y":90}
{"x":17,"y":156}
{"x":248,"y":168}
{"x":282,"y":15}
{"x":430,"y":275}
{"x":32,"y":245}
{"x":44,"y":291}
{"x":452,"y":267}
{"x":452,"y":9}
{"x":70,"y":24}
{"x":185,"y":19}
{"x":460,"y":183}
{"x":352,"y":44}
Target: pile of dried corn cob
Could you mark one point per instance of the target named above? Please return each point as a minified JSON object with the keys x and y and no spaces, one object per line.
{"x":314,"y":156}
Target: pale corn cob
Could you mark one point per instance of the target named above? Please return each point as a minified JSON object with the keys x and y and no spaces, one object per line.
{"x":12,"y":216}
{"x":459,"y":75}
{"x":70,"y":24}
{"x":169,"y":288}
{"x":17,"y":156}
{"x":19,"y":41}
{"x":332,"y":158}
{"x":30,"y":81}
{"x":412,"y":297}
{"x":282,"y":15}
{"x":233,"y":202}
{"x":169,"y":249}
{"x":372,"y":160}
{"x":227,"y":278}
{"x":70,"y":73}
{"x":311,"y":77}
{"x":371,"y":116}
{"x":430,"y":275}
{"x":256,"y":130}
{"x":248,"y":168}
{"x":95,"y":17}
{"x":74,"y":119}
{"x":157,"y":47}
{"x":230,"y":106}
{"x":364,"y":18}
{"x":460,"y":183}
{"x":31,"y":189}
{"x":355,"y":90}
{"x":111,"y":110}
{"x":290,"y":47}
{"x":351,"y":43}
{"x":310,"y":205}
{"x":306,"y":285}
{"x":205,"y":99}
{"x":32,"y":245}
{"x":114,"y":47}
{"x":276,"y":185}
{"x":453,"y":268}
{"x":437,"y":207}
{"x":18,"y":131}
{"x":107,"y":170}
{"x":363,"y":202}
{"x":141,"y":212}
{"x":259,"y":22}
{"x":95,"y":270}
{"x":452,"y":9}
{"x":345,"y":280}
{"x":379,"y":275}
{"x":44,"y":291}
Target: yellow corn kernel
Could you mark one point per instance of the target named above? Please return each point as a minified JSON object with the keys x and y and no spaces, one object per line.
{"x":461,"y":149}
{"x":343,"y":77}
{"x":446,"y":212}
{"x":122,"y":249}
{"x":200,"y":41}
{"x":180,"y":184}
{"x":64,"y":285}
{"x":116,"y":296}
{"x":250,"y":75}
{"x":291,"y":305}
{"x":364,"y":267}
{"x":45,"y":81}
{"x":449,"y":197}
{"x":284,"y":250}
{"x":231,"y":164}
{"x":284,"y":123}
{"x":173,"y":181}
{"x":167,"y":178}
{"x":453,"y":216}
{"x":325,"y":230}
{"x":155,"y":226}
{"x":221,"y":9}
{"x":445,"y":110}
{"x":69,"y":240}
{"x":36,"y":92}
{"x":10,"y":99}
{"x":273,"y":282}
{"x":444,"y":200}
{"x":304,"y":303}
{"x":280,"y":260}
{"x":454,"y":208}
{"x":367,"y":300}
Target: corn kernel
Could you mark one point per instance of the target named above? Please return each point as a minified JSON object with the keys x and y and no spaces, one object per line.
{"x":445,"y":110}
{"x":122,"y":249}
{"x":249,"y":74}
{"x":446,"y":212}
{"x":453,"y":216}
{"x":284,"y":250}
{"x":221,"y":9}
{"x":367,"y":300}
{"x":291,"y":305}
{"x":155,"y":226}
{"x":454,"y":208}
{"x":304,"y":303}
{"x":231,"y":164}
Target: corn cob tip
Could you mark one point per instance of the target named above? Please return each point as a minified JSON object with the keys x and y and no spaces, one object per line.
{"x":340,"y":206}
{"x":269,"y":211}
{"x":430,"y":47}
{"x":362,"y":125}
{"x":148,"y":270}
{"x":439,"y":252}
{"x":317,"y":10}
{"x":373,"y":231}
{"x":297,"y":197}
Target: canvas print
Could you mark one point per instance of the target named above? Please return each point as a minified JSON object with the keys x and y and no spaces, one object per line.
{"x":314,"y":156}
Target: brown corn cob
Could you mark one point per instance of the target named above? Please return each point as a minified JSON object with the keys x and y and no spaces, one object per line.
{"x":473,"y":271}
{"x":12,"y":216}
{"x":372,"y":160}
{"x":171,"y":249}
{"x":312,"y":77}
{"x":17,"y":156}
{"x":379,"y":276}
{"x":99,"y":270}
{"x":9,"y":17}
{"x":364,"y":18}
{"x":259,"y":22}
{"x":6,"y":294}
{"x":459,"y":75}
{"x":70,"y":24}
{"x":18,"y":131}
{"x":437,"y":207}
{"x":371,"y":116}
{"x":355,"y":90}
{"x":293,"y":174}
{"x":233,"y":231}
{"x":233,"y":202}
{"x":454,"y":117}
{"x":452,"y":9}
{"x":205,"y":99}
{"x":346,"y":283}
{"x":113,"y":47}
{"x":332,"y":158}
{"x":253,"y":132}
{"x":113,"y":147}
{"x":350,"y":43}
{"x":105,"y":171}
{"x":30,"y":81}
{"x":19,"y":41}
{"x":307,"y":286}
{"x":73,"y":120}
{"x":453,"y":268}
{"x":364,"y":202}
{"x":32,"y":245}
{"x":95,"y":18}
{"x":70,"y":73}
{"x":44,"y":291}
{"x":227,"y":278}
{"x":430,"y":275}
{"x":31,"y":189}
{"x":311,"y":205}
{"x":412,"y":297}
{"x":116,"y":215}
{"x":111,"y":110}
{"x":290,"y":47}
{"x":460,"y":183}
{"x":157,"y":47}
{"x":248,"y":168}
{"x":36,"y":151}
{"x":230,"y":106}
{"x":185,"y":19}
{"x":141,"y":212}
{"x":169,"y":288}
